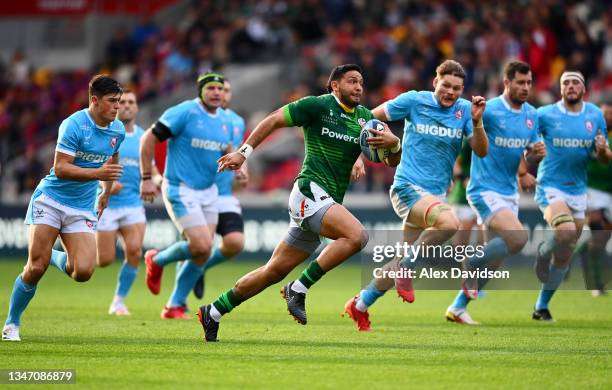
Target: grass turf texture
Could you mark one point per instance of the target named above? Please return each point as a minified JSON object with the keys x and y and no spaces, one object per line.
{"x":67,"y":326}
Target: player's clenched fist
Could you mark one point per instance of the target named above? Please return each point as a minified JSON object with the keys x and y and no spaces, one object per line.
{"x":478,"y":107}
{"x":539,"y":150}
{"x":109,"y":172}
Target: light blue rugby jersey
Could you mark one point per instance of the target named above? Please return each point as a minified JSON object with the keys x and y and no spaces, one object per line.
{"x":225,"y":179}
{"x":509,"y":132}
{"x":129,"y":158}
{"x":198,"y":141}
{"x":91,"y":146}
{"x":432,"y":138}
{"x":570,"y":143}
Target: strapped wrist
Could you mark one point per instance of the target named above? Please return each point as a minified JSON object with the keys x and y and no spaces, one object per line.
{"x":245,"y":150}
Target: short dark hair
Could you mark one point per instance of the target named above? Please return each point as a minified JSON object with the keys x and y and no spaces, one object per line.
{"x":514,"y":67}
{"x":452,"y":68}
{"x":339,"y":71}
{"x":101,"y":85}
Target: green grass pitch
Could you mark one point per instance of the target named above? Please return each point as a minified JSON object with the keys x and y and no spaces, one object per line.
{"x":67,"y":326}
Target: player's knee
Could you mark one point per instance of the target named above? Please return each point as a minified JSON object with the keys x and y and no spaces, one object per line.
{"x":82,"y":274}
{"x":516,"y":241}
{"x":358,"y":239}
{"x":232,"y":246}
{"x":134,"y":252}
{"x":566,"y":235}
{"x":35,"y":268}
{"x":449,"y":223}
{"x":200,"y":249}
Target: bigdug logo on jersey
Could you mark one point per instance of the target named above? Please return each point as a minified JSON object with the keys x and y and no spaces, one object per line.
{"x":91,"y":157}
{"x":206,"y":144}
{"x":438,"y":131}
{"x":339,"y":136}
{"x":511,"y":142}
{"x":572,"y":143}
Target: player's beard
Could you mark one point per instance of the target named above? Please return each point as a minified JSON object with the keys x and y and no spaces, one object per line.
{"x":346,"y":99}
{"x":576,"y":100}
{"x":516,"y":99}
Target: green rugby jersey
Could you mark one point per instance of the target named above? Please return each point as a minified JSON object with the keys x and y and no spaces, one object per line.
{"x":599,"y":176}
{"x":331,"y":138}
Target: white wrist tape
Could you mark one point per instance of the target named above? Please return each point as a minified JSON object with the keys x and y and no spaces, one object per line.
{"x":245,"y":150}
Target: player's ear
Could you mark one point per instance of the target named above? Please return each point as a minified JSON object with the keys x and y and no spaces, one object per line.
{"x":506,"y":83}
{"x":435,"y":82}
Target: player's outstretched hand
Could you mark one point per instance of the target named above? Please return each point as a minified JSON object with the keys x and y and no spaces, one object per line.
{"x":478,"y":106}
{"x":109,"y":172}
{"x":527,"y":182}
{"x":383,"y":139}
{"x":148,"y":190}
{"x":358,"y":170}
{"x":231,"y":161}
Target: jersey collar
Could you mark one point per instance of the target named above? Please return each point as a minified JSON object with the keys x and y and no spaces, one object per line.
{"x":344,"y":106}
{"x":508,"y":106}
{"x":562,"y":108}
{"x":94,"y":122}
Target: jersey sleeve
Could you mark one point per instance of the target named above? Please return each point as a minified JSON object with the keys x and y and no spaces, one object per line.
{"x":540,"y":122}
{"x":175,"y":119}
{"x":68,"y":138}
{"x":399,"y":107}
{"x":468,"y":127}
{"x":301,"y":112}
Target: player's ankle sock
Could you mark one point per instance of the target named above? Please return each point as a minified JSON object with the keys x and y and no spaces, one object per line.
{"x":494,"y":250}
{"x":59,"y":259}
{"x":310,"y":276}
{"x":547,"y":248}
{"x":20,"y":297}
{"x":226,"y":303}
{"x":175,"y":252}
{"x":410,"y":261}
{"x":215,"y":259}
{"x":461,"y":301}
{"x":368,"y":296}
{"x":548,"y":289}
{"x":126,"y":277}
{"x":186,"y":278}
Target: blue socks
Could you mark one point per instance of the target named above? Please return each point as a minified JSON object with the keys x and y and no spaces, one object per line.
{"x":20,"y":297}
{"x":369,"y":295}
{"x":548,"y":289}
{"x":175,"y":252}
{"x":58,"y":260}
{"x":407,"y":262}
{"x":461,"y":301}
{"x":547,"y":248}
{"x":494,"y":250}
{"x":126,"y":277}
{"x":186,"y":278}
{"x":215,"y":259}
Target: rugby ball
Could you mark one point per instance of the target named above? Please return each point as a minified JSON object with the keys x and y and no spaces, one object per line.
{"x":376,"y":155}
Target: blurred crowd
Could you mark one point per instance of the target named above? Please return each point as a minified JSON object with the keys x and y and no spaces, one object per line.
{"x":398,"y":44}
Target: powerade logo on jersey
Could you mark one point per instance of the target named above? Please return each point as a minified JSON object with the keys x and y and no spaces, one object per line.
{"x":439,"y":131}
{"x":339,"y":136}
{"x":572,"y":143}
{"x":511,"y":142}
{"x":128,"y":162}
{"x":206,"y":144}
{"x":91,"y":157}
